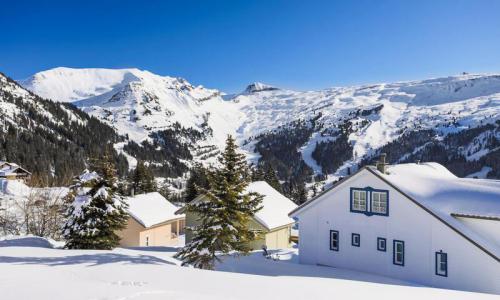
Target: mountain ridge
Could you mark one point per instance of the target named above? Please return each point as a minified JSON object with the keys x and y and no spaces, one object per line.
{"x":359,"y":120}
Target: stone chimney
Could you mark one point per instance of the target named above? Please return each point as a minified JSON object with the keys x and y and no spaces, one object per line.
{"x":381,"y":164}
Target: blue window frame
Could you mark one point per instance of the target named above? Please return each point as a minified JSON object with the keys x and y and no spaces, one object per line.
{"x":398,"y":252}
{"x":381,"y":244}
{"x":355,"y":239}
{"x":441,"y":264}
{"x":369,"y":201}
{"x":334,"y":240}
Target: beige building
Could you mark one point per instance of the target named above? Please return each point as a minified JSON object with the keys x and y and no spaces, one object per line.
{"x":152,"y":222}
{"x":272,"y":221}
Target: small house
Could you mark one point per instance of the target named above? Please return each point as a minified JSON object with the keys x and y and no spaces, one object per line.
{"x":415,"y":222}
{"x":152,"y":222}
{"x":271,"y":222}
{"x":12,"y":171}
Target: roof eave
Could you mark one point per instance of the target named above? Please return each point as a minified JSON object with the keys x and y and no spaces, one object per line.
{"x":303,"y":205}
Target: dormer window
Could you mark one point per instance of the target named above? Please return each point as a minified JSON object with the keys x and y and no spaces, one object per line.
{"x":370,"y":201}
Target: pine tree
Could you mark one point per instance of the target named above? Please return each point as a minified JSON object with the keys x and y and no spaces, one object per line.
{"x":96,"y":211}
{"x":223,"y":213}
{"x":142,"y":179}
{"x":257,"y":173}
{"x":197,"y":180}
{"x":272,"y":179}
{"x":300,"y":193}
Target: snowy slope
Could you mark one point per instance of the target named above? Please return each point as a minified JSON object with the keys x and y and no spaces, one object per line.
{"x":152,"y":273}
{"x":470,"y":99}
{"x":138,"y":102}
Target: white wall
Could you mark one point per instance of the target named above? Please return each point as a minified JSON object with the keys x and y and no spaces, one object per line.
{"x":469,"y":268}
{"x":488,"y":229}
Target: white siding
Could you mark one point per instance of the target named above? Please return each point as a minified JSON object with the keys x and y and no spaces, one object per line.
{"x":469,"y":268}
{"x":488,"y":229}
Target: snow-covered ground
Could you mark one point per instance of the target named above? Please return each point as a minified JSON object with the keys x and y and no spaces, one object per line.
{"x":31,"y":269}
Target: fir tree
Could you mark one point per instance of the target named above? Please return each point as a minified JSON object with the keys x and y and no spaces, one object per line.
{"x":142,"y":179}
{"x":272,"y":179}
{"x":300,"y":193}
{"x":96,"y":211}
{"x":223,"y":213}
{"x":197,"y":180}
{"x":257,"y":173}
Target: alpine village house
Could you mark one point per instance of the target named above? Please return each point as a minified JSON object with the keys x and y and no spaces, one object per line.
{"x":12,"y":171}
{"x":271,"y":222}
{"x":152,"y":222}
{"x":415,"y":222}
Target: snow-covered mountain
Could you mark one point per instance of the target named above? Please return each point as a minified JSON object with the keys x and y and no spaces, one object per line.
{"x":137,"y":102}
{"x":280,"y":126}
{"x":52,"y":140}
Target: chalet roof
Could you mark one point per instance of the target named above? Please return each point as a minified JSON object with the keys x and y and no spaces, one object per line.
{"x":444,"y":195}
{"x":151,"y":209}
{"x":275,"y":206}
{"x":7,"y":168}
{"x":435,"y":187}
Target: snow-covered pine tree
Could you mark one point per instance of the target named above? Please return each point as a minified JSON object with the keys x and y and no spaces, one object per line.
{"x":95,"y":211}
{"x":223,"y":213}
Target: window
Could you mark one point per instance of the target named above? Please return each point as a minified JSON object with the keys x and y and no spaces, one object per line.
{"x":334,"y":240}
{"x":356,"y":240}
{"x":441,"y":264}
{"x":147,"y":241}
{"x":398,"y":253}
{"x":381,"y":244}
{"x":370,"y":201}
{"x":359,"y":200}
{"x":379,"y":202}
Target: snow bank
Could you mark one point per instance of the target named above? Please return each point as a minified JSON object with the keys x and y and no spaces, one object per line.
{"x":49,"y":274}
{"x":29,"y":241}
{"x":15,"y":188}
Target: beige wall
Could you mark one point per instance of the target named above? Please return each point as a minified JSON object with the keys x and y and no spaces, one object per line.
{"x":136,"y":235}
{"x":130,"y":235}
{"x":276,"y":239}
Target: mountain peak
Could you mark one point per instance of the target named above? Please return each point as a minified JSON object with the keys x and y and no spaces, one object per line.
{"x":259,"y":87}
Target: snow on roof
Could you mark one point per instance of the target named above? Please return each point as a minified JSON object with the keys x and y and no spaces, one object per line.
{"x":445,"y":195}
{"x":151,"y":209}
{"x":434,"y":186}
{"x":275,"y":206}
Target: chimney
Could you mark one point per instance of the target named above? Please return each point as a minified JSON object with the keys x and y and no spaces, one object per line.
{"x":381,"y":164}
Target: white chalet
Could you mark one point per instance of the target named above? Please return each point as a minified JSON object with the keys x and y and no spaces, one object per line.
{"x":415,"y":222}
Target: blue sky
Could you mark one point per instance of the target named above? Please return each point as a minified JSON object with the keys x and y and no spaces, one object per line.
{"x":228,"y":44}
